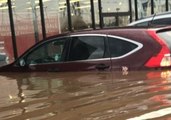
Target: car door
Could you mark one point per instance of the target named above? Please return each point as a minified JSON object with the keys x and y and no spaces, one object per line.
{"x":88,"y":52}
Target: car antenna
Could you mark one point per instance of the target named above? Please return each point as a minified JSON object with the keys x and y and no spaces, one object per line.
{"x":150,"y":23}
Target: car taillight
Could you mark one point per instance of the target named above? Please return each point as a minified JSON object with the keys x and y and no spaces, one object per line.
{"x":166,"y":60}
{"x":163,"y":58}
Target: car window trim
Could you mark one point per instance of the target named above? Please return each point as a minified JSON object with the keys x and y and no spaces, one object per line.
{"x":89,"y":60}
{"x":82,"y":35}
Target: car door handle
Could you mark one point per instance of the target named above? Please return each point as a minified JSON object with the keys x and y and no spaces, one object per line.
{"x":102,"y":66}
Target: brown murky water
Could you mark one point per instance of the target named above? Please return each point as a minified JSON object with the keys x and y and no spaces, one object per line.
{"x":86,"y":96}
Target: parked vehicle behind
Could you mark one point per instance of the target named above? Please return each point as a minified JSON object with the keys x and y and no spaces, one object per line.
{"x":3,"y":59}
{"x":122,"y":49}
{"x":154,"y":20}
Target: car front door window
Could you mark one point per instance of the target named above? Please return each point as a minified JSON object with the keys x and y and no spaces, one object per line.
{"x":48,"y":52}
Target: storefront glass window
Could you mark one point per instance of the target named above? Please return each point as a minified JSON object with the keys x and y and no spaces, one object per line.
{"x":26,"y":15}
{"x":133,"y":10}
{"x":169,"y":1}
{"x":96,"y":12}
{"x":54,"y":16}
{"x":115,"y":12}
{"x":6,"y":51}
{"x":63,"y":16}
{"x":159,"y":6}
{"x":80,"y":14}
{"x":115,"y":5}
{"x":142,"y":8}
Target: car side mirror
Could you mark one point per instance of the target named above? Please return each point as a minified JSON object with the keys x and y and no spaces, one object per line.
{"x":22,"y":62}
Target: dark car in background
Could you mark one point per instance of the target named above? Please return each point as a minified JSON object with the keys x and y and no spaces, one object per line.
{"x":154,"y":20}
{"x":122,"y":49}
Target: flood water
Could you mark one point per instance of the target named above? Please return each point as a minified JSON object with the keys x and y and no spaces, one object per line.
{"x":138,"y":95}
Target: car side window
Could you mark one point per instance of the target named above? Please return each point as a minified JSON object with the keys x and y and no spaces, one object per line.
{"x":47,"y":53}
{"x":87,"y":47}
{"x":164,"y":21}
{"x":142,"y":24}
{"x":119,"y":47}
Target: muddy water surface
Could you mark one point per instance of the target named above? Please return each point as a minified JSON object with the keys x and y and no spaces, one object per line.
{"x":86,"y":96}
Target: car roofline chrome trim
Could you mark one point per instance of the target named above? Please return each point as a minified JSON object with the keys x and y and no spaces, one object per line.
{"x":99,"y":59}
{"x":82,"y":35}
{"x":140,"y":45}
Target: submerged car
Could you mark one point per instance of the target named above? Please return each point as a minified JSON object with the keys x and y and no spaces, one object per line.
{"x":122,"y":49}
{"x":163,"y":19}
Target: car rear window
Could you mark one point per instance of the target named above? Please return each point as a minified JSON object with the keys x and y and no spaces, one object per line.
{"x":163,"y":21}
{"x":142,"y":24}
{"x":166,"y":36}
{"x":120,"y":47}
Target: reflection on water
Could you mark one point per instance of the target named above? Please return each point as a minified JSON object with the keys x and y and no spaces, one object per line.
{"x":86,"y":96}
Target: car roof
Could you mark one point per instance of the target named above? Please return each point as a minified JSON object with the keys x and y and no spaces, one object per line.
{"x":108,"y":30}
{"x":152,"y":17}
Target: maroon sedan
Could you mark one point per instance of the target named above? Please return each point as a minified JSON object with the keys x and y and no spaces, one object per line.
{"x":101,"y":50}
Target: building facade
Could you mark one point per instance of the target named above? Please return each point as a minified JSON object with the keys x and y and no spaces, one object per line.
{"x":25,"y":22}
